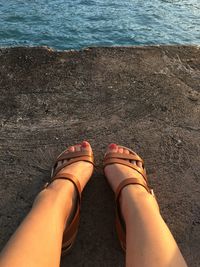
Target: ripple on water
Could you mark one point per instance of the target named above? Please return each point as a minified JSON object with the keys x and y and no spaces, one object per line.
{"x":67,"y":24}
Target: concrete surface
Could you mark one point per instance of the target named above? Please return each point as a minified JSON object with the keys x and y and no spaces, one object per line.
{"x":146,"y":98}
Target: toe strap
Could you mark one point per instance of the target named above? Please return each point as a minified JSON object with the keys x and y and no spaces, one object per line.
{"x":122,"y":156}
{"x":56,"y":169}
{"x":126,"y":163}
{"x":71,"y":157}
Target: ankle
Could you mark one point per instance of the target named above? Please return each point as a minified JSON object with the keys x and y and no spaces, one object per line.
{"x":60,"y":197}
{"x":131,"y":192}
{"x":62,"y":186}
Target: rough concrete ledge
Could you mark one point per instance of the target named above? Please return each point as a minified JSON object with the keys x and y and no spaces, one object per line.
{"x":147,"y":98}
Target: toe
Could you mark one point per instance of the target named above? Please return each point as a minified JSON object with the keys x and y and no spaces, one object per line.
{"x":71,"y":149}
{"x":133,"y":162}
{"x":85,"y":146}
{"x":126,"y":151}
{"x":59,"y":164}
{"x":139,"y":164}
{"x":112,"y":148}
{"x":77,"y":148}
{"x":120,"y":150}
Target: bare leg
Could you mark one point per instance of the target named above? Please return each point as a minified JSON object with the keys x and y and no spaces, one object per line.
{"x":37,"y":242}
{"x":148,"y":240}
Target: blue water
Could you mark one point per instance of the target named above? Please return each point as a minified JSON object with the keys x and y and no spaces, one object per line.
{"x":74,"y":24}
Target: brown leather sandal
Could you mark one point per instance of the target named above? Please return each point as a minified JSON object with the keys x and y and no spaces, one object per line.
{"x":124,"y":159}
{"x":70,"y":232}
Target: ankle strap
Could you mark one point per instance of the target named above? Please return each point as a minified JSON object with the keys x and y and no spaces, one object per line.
{"x":129,"y":181}
{"x":70,"y":177}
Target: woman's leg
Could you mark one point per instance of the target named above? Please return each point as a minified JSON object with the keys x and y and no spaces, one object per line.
{"x":149,"y":242}
{"x":38,"y":240}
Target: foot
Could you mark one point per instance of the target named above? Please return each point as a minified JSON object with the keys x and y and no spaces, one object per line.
{"x":116,"y":173}
{"x":82,"y":170}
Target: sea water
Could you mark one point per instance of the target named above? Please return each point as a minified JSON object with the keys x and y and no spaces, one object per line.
{"x":74,"y":24}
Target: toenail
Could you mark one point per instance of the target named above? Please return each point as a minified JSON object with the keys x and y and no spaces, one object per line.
{"x":85,"y":144}
{"x":112,"y":146}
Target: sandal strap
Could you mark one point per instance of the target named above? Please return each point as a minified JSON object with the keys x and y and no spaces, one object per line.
{"x":124,"y":159}
{"x":126,"y":163}
{"x":73,"y":160}
{"x":129,"y":181}
{"x":119,"y":220}
{"x":72,"y":178}
{"x":123,"y":156}
{"x":71,"y":155}
{"x":71,"y":230}
{"x":120,"y":230}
